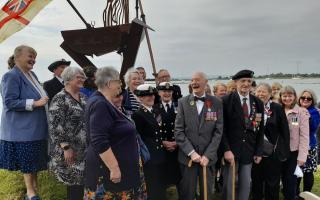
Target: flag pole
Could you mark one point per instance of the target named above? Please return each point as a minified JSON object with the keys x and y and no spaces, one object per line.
{"x":148,"y":42}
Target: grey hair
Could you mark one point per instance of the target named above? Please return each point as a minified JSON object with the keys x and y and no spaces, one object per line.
{"x":70,"y":73}
{"x":104,"y":75}
{"x":128,"y":74}
{"x":202,"y":74}
{"x":267,"y":86}
{"x":313,"y":95}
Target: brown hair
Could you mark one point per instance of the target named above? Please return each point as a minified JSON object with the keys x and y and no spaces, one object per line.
{"x":288,"y":90}
{"x":11,"y":62}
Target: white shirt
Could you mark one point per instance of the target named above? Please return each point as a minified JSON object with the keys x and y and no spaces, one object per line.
{"x":60,"y":79}
{"x":199,"y":104}
{"x":148,"y":108}
{"x":247,"y":101}
{"x":165,"y":105}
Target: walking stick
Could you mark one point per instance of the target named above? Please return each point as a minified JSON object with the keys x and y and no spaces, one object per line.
{"x":205,"y":191}
{"x":233,"y":181}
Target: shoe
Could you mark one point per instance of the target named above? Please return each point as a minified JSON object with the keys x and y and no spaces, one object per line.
{"x":32,"y":198}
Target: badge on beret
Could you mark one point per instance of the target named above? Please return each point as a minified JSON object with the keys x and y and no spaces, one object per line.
{"x":167,"y":86}
{"x":150,"y":89}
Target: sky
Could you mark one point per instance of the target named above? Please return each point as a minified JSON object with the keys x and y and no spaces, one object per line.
{"x":218,"y":37}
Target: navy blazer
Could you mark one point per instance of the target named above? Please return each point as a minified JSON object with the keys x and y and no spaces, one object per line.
{"x":17,"y":123}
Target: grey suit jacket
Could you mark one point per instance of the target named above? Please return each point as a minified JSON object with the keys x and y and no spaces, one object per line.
{"x":193,"y":132}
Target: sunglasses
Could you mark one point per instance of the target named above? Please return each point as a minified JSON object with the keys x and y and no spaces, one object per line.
{"x":306,"y":98}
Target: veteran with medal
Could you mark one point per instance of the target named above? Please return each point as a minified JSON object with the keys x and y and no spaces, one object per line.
{"x":242,"y":136}
{"x":198,"y":131}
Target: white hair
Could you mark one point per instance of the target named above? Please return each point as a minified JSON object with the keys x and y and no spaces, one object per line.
{"x":104,"y":75}
{"x":70,"y":73}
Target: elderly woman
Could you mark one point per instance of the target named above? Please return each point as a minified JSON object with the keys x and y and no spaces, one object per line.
{"x":130,"y":101}
{"x":266,"y":175}
{"x":67,"y":133}
{"x":24,"y":128}
{"x":112,"y":159}
{"x":219,"y":89}
{"x":308,"y":100}
{"x":147,"y":122}
{"x":298,"y":120}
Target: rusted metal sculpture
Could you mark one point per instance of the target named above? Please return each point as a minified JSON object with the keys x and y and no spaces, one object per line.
{"x":117,"y":35}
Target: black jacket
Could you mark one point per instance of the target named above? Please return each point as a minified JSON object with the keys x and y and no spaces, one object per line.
{"x":52,"y":87}
{"x":149,"y":129}
{"x":244,"y":142}
{"x":277,"y":126}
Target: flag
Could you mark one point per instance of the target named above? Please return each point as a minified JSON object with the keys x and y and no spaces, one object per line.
{"x":16,"y":14}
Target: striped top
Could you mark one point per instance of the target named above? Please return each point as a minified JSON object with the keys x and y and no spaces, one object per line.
{"x":134,"y":102}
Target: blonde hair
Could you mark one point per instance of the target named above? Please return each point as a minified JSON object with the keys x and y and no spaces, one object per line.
{"x":19,"y":49}
{"x":217,"y":85}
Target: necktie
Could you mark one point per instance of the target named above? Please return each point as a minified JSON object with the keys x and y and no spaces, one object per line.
{"x":245,"y":111}
{"x":199,"y":98}
{"x":168,"y":107}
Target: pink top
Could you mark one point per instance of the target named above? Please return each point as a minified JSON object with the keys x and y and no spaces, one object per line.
{"x":298,"y":119}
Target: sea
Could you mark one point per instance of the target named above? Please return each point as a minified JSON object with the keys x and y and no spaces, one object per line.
{"x":297,"y":83}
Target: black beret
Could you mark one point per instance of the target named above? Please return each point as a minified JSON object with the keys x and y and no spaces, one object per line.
{"x":165,"y":86}
{"x":243,"y":74}
{"x":57,"y":63}
{"x":145,"y":90}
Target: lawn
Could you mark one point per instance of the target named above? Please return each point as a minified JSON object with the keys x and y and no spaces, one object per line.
{"x":12,"y":187}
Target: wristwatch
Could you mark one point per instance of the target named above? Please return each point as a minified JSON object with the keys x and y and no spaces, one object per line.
{"x":65,"y":148}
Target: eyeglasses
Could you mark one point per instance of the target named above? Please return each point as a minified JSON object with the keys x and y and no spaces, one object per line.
{"x":306,"y":98}
{"x":81,"y":78}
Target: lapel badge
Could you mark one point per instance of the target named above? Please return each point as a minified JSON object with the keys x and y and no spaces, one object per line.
{"x":191,"y":103}
{"x":258,"y":117}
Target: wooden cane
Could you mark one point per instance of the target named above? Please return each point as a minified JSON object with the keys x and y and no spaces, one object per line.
{"x":233,"y":181}
{"x":205,"y":191}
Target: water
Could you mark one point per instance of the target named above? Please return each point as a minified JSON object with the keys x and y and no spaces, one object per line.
{"x":298,"y":84}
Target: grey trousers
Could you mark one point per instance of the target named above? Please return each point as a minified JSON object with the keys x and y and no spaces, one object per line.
{"x":188,"y":183}
{"x":242,"y":181}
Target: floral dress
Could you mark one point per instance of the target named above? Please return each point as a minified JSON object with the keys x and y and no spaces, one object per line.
{"x":66,"y":125}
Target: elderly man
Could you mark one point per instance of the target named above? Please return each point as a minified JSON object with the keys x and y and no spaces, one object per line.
{"x":242,"y":137}
{"x":198,"y":131}
{"x":55,"y":85}
{"x":164,"y":76}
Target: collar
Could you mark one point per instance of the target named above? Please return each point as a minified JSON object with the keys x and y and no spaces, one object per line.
{"x":60,"y":79}
{"x":204,"y":95}
{"x":294,"y":110}
{"x":241,"y":97}
{"x":164,"y":103}
{"x":147,"y":107}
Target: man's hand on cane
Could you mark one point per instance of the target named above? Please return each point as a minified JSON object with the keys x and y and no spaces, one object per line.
{"x":195,"y":157}
{"x":229,"y":157}
{"x":204,"y":161}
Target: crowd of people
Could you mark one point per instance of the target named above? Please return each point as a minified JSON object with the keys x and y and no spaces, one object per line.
{"x":109,"y":142}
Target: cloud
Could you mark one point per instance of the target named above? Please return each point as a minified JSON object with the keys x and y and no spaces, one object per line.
{"x":215,"y":36}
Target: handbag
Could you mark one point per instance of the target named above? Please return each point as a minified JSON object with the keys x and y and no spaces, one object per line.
{"x":268,"y":147}
{"x":143,"y":150}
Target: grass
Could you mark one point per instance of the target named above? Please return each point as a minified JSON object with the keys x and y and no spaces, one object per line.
{"x":12,"y":187}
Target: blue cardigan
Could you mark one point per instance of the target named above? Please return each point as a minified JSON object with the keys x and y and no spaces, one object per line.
{"x":17,"y":123}
{"x":108,"y":128}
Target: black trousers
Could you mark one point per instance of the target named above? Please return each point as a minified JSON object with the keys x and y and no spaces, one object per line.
{"x":266,"y":179}
{"x":289,"y":180}
{"x":155,"y":181}
{"x":188,"y":183}
{"x":75,"y":192}
{"x":308,"y":180}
